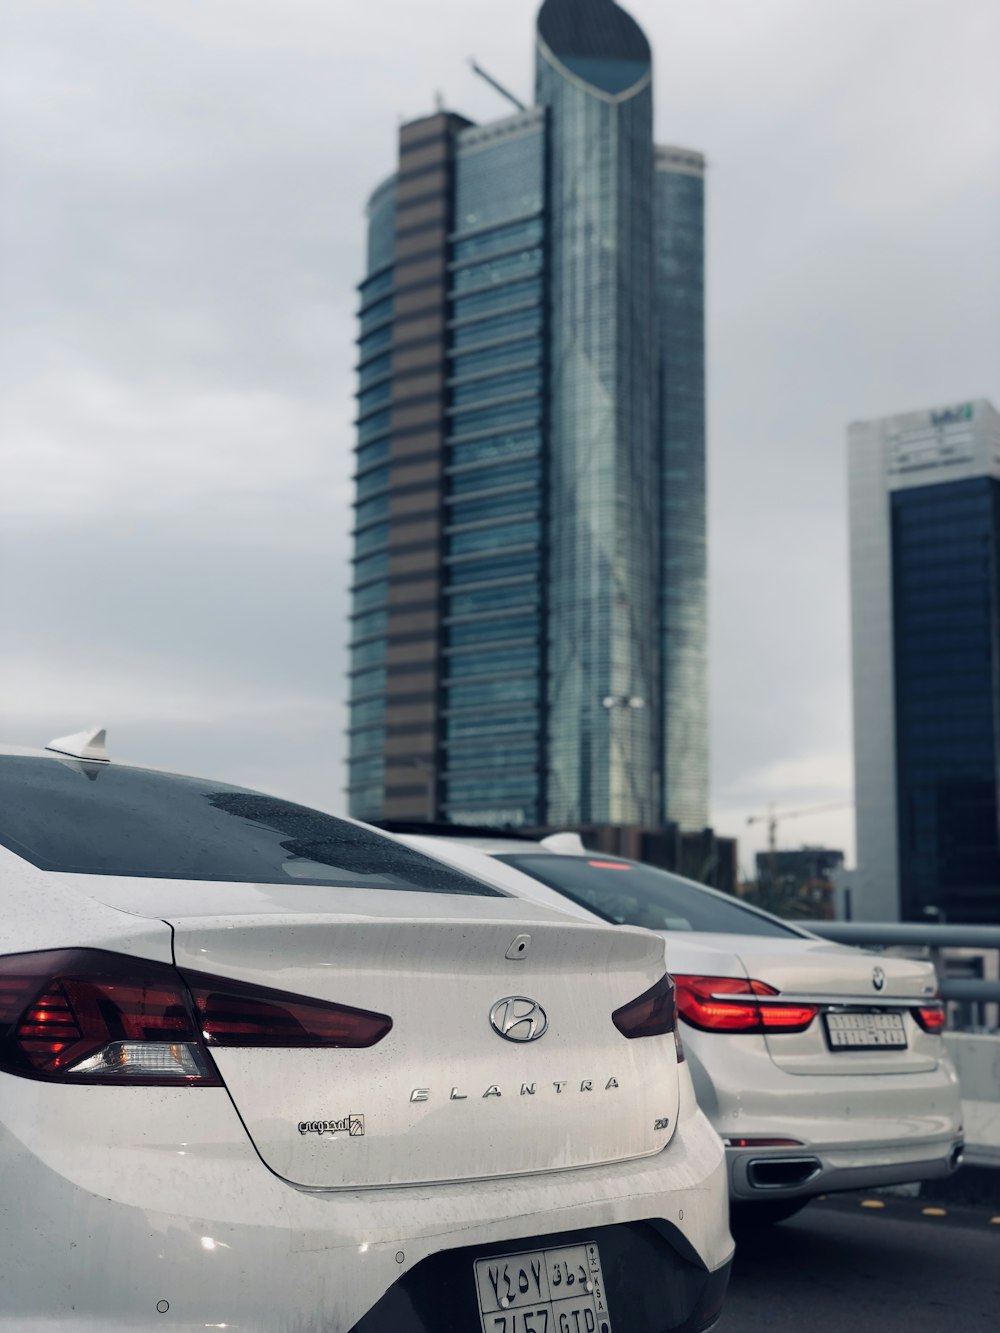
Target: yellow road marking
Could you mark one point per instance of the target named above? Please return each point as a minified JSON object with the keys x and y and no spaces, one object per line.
{"x":934,"y":1212}
{"x":872,"y":1203}
{"x":995,"y":1221}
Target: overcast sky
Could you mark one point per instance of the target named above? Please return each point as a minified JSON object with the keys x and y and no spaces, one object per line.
{"x":182,"y":229}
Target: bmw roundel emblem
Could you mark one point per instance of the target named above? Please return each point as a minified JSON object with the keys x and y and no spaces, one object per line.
{"x":878,"y":978}
{"x":517,"y":1018}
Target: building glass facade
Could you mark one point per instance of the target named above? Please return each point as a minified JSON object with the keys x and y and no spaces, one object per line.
{"x":925,"y":608}
{"x":370,"y":588}
{"x":517,"y":517}
{"x":602,"y":512}
{"x":946,"y":580}
{"x":493,"y":635}
{"x":679,"y":182}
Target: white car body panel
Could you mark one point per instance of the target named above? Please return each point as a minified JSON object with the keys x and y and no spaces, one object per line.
{"x":145,"y":1207}
{"x":866,"y":1117}
{"x":442,"y":1098}
{"x":170,"y":1203}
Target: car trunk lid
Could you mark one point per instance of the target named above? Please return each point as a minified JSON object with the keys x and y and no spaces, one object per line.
{"x":442,"y":1096}
{"x":868,"y":997}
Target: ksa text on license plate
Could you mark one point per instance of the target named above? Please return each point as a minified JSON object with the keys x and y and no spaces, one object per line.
{"x":560,"y":1290}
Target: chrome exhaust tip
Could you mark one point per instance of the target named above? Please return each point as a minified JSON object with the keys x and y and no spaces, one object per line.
{"x":776,"y":1173}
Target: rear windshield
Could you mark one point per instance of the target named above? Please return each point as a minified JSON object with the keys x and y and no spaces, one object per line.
{"x":631,"y":894}
{"x":100,"y":819}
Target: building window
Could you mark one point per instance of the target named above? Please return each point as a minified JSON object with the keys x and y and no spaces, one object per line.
{"x":499,"y":298}
{"x":372,"y":594}
{"x":496,"y":446}
{"x":524,"y":412}
{"x":491,"y":507}
{"x":509,"y":268}
{"x":517,"y":234}
{"x":482,"y":331}
{"x":486,"y":567}
{"x":376,"y":314}
{"x":497,"y":386}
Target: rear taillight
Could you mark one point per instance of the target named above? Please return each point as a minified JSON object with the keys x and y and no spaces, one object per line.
{"x":651,"y":1014}
{"x":231,"y":1013}
{"x":931,"y":1017}
{"x":733,"y":1004}
{"x":87,"y":1016}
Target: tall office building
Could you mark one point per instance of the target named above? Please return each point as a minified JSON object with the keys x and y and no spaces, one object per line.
{"x":925,"y":601}
{"x":529,"y":612}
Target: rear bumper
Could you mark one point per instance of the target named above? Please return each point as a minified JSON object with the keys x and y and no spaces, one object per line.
{"x":673,"y":1291}
{"x":854,"y":1130}
{"x":753,"y":1173}
{"x":141,"y":1209}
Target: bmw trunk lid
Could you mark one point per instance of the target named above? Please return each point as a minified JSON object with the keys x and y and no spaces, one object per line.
{"x":862,"y":999}
{"x":502,"y":1057}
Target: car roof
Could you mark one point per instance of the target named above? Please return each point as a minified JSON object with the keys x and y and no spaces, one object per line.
{"x":511,"y":847}
{"x":501,"y":846}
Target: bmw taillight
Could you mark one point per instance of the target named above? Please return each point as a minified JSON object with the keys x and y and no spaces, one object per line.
{"x":931,"y":1017}
{"x":734,"y":1004}
{"x":651,"y":1014}
{"x":89,"y":1016}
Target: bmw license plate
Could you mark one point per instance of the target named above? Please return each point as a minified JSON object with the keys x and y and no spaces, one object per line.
{"x":864,"y":1031}
{"x":543,"y":1291}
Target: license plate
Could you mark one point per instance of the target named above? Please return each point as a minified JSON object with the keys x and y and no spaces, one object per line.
{"x":864,"y":1031}
{"x":543,"y":1291}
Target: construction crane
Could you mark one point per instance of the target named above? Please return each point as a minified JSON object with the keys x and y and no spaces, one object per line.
{"x":773,"y":816}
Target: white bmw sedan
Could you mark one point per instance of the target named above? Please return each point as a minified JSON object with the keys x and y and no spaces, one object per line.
{"x":821,"y":1067}
{"x":269,"y":1070}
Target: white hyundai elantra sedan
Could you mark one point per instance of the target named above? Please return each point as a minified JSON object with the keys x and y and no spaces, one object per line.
{"x":821,"y":1067}
{"x":269,"y":1070}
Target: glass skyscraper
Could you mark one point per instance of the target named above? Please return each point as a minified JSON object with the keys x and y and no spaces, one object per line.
{"x":925,"y":571}
{"x":529,"y":614}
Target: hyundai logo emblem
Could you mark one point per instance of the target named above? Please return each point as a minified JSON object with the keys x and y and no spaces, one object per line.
{"x":516,"y":1018}
{"x":878,"y":978}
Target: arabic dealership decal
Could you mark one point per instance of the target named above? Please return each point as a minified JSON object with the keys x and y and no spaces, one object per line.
{"x":353,"y":1125}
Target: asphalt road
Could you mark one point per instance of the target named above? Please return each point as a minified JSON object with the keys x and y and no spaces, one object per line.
{"x":864,"y":1262}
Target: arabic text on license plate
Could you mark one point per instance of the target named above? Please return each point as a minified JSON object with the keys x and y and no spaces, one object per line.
{"x":864,"y":1031}
{"x":543,"y":1291}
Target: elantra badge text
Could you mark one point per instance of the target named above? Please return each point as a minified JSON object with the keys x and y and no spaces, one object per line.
{"x":516,"y":1018}
{"x":527,"y":1090}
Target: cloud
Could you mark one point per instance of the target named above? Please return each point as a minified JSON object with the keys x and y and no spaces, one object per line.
{"x":80,"y":441}
{"x":181,"y":232}
{"x":132,"y":692}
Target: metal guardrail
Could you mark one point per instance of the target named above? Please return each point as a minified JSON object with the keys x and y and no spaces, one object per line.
{"x":906,"y":932}
{"x":917,"y":934}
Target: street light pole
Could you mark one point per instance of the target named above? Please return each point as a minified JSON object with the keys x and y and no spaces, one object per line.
{"x":634,"y":702}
